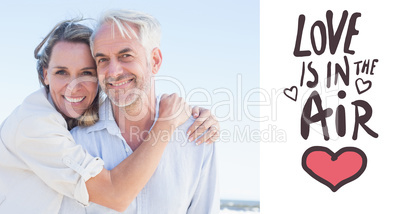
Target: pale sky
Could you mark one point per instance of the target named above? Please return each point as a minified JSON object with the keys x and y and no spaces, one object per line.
{"x":210,"y":56}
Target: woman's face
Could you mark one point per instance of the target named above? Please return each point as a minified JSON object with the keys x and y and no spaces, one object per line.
{"x":71,"y":76}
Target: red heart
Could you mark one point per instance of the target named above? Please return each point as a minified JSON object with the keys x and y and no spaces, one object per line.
{"x":334,"y":169}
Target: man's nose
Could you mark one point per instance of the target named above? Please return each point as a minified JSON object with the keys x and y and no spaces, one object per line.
{"x":115,"y":68}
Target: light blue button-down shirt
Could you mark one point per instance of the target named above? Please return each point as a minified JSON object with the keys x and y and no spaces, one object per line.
{"x":185,"y":181}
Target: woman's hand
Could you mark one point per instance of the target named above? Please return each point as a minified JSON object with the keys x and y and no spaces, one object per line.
{"x":205,"y":121}
{"x":173,"y":110}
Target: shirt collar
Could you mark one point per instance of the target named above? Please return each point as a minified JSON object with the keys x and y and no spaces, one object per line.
{"x":107,"y":121}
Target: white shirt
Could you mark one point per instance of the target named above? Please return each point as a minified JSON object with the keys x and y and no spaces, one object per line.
{"x":185,"y":181}
{"x":39,"y":160}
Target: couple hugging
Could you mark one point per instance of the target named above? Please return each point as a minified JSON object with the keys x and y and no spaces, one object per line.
{"x":96,"y":139}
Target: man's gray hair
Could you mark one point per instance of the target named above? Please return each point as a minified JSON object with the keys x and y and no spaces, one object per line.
{"x":148,"y":27}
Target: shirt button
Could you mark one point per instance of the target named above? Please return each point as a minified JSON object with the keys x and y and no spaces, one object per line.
{"x":127,"y":150}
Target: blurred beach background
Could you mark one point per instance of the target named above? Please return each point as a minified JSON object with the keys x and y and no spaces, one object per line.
{"x":237,"y":207}
{"x":210,"y":54}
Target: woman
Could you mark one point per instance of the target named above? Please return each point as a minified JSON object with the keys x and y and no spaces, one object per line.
{"x":41,"y":163}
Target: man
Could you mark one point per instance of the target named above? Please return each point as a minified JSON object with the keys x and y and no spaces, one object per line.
{"x":125,"y":46}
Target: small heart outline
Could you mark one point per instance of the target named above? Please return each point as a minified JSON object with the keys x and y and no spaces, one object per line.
{"x":364,"y":83}
{"x":291,"y":90}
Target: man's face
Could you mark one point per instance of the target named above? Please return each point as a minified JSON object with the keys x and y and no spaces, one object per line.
{"x":123,"y":69}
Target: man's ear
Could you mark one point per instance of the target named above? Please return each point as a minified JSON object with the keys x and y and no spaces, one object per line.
{"x":46,"y":80}
{"x":156,"y":60}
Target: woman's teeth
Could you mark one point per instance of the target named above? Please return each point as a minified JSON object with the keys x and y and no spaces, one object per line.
{"x":74,"y":100}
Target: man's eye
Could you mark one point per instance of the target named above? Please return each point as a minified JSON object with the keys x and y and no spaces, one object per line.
{"x":126,"y":58}
{"x":101,"y":60}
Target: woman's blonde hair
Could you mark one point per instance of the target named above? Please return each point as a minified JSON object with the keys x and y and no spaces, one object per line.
{"x":68,"y":31}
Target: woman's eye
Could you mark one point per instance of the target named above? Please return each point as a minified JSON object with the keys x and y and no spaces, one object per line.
{"x":88,"y":73}
{"x":61,"y":72}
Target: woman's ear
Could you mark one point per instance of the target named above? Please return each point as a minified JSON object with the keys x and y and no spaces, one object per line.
{"x":156,"y":60}
{"x":45,"y":78}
